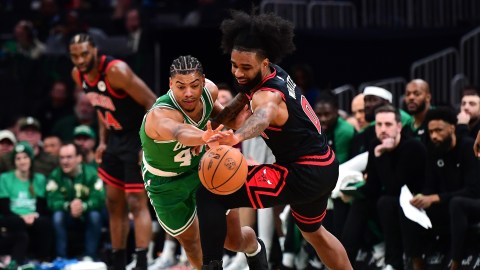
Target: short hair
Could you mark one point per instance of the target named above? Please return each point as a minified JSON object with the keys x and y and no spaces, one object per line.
{"x":185,"y":64}
{"x":266,"y":34}
{"x":388,"y":108}
{"x":81,"y":38}
{"x":328,"y":98}
{"x":444,"y":113}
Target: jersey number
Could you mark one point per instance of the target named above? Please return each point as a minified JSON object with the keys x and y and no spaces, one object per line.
{"x":109,"y":120}
{"x":184,"y":157}
{"x":311,"y":114}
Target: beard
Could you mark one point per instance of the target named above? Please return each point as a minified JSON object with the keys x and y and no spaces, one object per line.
{"x":440,"y":148}
{"x":419,"y":109}
{"x":370,"y":114}
{"x":249,"y":86}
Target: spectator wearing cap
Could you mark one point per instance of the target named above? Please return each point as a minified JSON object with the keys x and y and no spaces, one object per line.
{"x":28,"y":129}
{"x":76,"y":196}
{"x":453,"y":180}
{"x":374,"y":97}
{"x":7,"y":141}
{"x":23,"y":206}
{"x":85,"y":138}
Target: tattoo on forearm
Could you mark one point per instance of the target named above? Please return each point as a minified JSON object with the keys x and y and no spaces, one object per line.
{"x":254,"y":125}
{"x":231,"y":111}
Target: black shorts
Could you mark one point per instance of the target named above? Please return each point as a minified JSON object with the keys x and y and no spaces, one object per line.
{"x":305,"y":185}
{"x":120,"y":162}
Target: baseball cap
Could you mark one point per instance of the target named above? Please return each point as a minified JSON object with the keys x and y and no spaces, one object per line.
{"x":84,"y":130}
{"x":28,"y":122}
{"x":7,"y":134}
{"x":379,"y":92}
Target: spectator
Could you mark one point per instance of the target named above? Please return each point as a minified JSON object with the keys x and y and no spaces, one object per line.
{"x":57,"y":104}
{"x":26,"y":42}
{"x":85,"y":138}
{"x":7,"y":141}
{"x":302,"y":75}
{"x":23,"y":205}
{"x":51,"y":145}
{"x":76,"y":197}
{"x":453,"y":173}
{"x":28,"y":129}
{"x":374,"y":97}
{"x":225,"y":94}
{"x":84,"y":114}
{"x":390,"y":166}
{"x":358,"y":111}
{"x":468,"y":123}
{"x":417,"y":101}
{"x":339,"y":133}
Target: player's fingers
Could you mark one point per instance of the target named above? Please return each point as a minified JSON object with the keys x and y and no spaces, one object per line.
{"x":219,"y":128}
{"x":209,"y":125}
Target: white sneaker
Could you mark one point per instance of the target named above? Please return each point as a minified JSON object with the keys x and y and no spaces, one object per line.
{"x":238,"y":263}
{"x":162,"y":262}
{"x":226,"y":259}
{"x":388,"y":267}
{"x":132,"y":264}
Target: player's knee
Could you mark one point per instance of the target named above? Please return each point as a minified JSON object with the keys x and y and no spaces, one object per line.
{"x":136,"y":203}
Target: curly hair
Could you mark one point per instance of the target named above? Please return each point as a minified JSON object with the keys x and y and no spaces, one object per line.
{"x":266,"y":34}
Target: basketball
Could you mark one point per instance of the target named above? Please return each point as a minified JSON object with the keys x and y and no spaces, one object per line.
{"x":223,"y":170}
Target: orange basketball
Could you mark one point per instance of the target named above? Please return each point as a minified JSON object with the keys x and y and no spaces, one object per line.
{"x":223,"y":170}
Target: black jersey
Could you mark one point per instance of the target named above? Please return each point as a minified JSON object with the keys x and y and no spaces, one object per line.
{"x":301,"y":134}
{"x":115,"y":108}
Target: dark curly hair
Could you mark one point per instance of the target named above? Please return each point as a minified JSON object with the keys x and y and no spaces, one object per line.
{"x":268,"y":35}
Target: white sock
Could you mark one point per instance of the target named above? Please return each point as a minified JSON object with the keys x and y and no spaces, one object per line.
{"x":288,"y":259}
{"x":266,"y":227}
{"x":169,"y":248}
{"x":281,"y":239}
{"x":256,"y":252}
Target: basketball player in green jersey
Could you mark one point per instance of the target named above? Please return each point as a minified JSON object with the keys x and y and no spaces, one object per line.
{"x":173,"y":141}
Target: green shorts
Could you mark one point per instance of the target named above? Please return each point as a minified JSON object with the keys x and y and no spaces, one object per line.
{"x":173,"y":199}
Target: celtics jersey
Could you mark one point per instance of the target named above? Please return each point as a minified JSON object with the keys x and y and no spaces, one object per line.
{"x":171,"y":158}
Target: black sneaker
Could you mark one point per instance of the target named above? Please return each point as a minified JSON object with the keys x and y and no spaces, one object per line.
{"x":259,"y":261}
{"x":213,"y":265}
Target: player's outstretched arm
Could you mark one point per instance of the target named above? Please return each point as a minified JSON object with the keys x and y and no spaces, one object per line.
{"x":166,"y":124}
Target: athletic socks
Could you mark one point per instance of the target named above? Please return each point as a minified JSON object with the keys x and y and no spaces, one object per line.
{"x":141,"y":257}
{"x":119,"y":257}
{"x":259,"y":248}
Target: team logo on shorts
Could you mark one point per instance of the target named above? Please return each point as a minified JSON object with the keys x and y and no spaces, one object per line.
{"x":101,"y":86}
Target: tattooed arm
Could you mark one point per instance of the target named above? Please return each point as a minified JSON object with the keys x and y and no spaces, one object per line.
{"x":268,"y":109}
{"x":228,"y":115}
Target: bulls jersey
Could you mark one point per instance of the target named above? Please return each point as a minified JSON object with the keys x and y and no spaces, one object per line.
{"x":172,"y":156}
{"x":301,"y":134}
{"x":115,"y":108}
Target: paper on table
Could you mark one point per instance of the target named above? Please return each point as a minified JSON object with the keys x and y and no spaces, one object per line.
{"x":411,"y":212}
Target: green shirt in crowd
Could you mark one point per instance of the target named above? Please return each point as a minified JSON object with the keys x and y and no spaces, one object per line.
{"x":22,"y":201}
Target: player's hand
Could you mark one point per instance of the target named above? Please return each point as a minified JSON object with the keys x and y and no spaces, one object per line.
{"x":476,"y":145}
{"x":209,"y":133}
{"x":99,"y":152}
{"x":226,"y":137}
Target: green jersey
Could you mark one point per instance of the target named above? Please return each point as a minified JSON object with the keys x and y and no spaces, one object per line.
{"x":171,"y":158}
{"x":22,"y":201}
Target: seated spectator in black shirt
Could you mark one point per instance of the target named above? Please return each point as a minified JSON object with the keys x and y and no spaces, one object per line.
{"x":468,"y":123}
{"x":453,"y":173}
{"x":393,"y":161}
